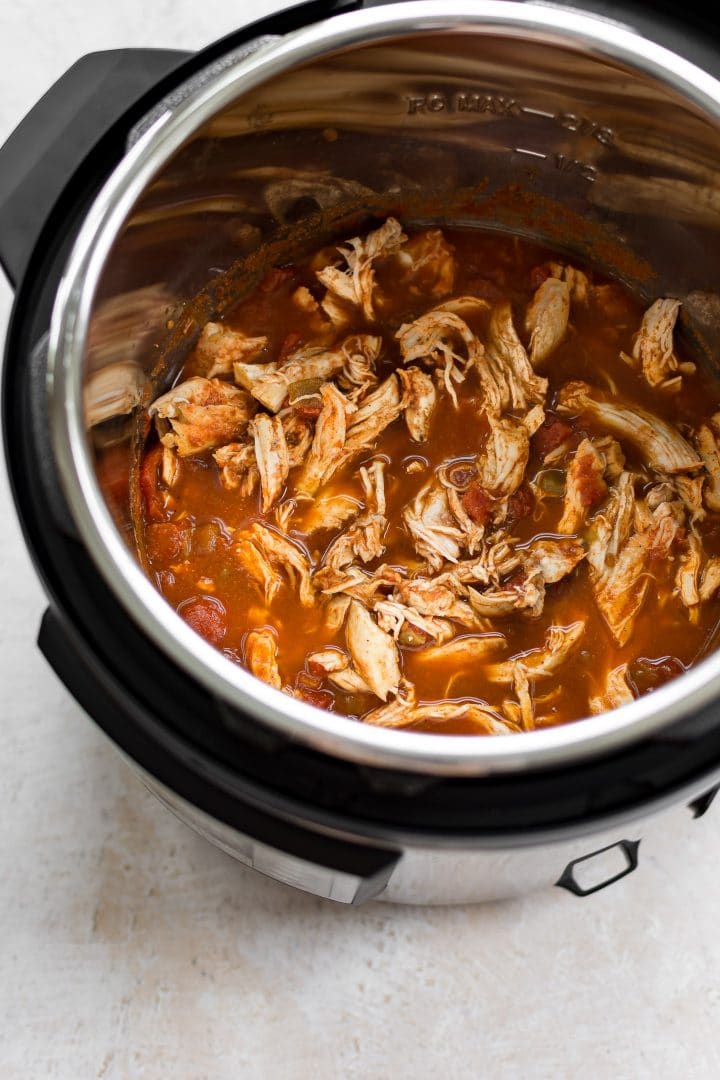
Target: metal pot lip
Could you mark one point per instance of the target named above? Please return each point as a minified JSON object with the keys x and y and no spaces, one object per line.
{"x":332,"y":734}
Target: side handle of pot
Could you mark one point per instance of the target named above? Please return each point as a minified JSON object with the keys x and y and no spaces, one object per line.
{"x":82,"y":111}
{"x":46,"y":148}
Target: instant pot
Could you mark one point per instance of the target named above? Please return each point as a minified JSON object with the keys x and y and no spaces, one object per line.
{"x":136,"y":201}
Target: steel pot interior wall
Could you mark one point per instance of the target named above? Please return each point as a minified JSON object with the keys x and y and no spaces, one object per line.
{"x":492,"y":130}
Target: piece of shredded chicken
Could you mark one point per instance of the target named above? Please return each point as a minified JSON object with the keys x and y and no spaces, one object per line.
{"x":364,"y":539}
{"x":261,"y":656}
{"x":355,"y":282}
{"x":201,"y":414}
{"x":615,"y":692}
{"x":373,"y":651}
{"x":219,"y":347}
{"x":271,"y":456}
{"x":506,"y":375}
{"x":660,"y":445}
{"x":436,"y":338}
{"x":308,"y":368}
{"x":585,"y":486}
{"x":546,"y":319}
{"x":707,"y":441}
{"x":281,"y":552}
{"x":432,"y":527}
{"x":560,"y":643}
{"x":654,"y":349}
{"x":620,"y":558}
{"x":419,"y":399}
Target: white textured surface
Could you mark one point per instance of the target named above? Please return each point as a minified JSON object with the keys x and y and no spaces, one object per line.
{"x":132,"y":949}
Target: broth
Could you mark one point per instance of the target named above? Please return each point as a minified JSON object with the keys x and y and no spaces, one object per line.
{"x":192,"y":522}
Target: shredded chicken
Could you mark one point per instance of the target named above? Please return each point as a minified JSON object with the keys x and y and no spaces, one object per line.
{"x":201,"y":414}
{"x":364,"y":539}
{"x":661,"y":446}
{"x":707,"y":440}
{"x":418,"y":401}
{"x":328,"y":442}
{"x":377,"y":412}
{"x":218,"y":348}
{"x":463,"y":651}
{"x":615,"y":692}
{"x":408,"y":626}
{"x":654,"y":350}
{"x":428,"y":597}
{"x":258,"y":569}
{"x":526,"y":709}
{"x":687,"y":579}
{"x":338,"y":668}
{"x":506,"y":375}
{"x":584,"y":487}
{"x":525,"y":597}
{"x":560,"y":643}
{"x":261,"y":654}
{"x":427,"y":263}
{"x":373,"y":651}
{"x":434,"y":338}
{"x":356,"y":282}
{"x":432,"y":527}
{"x":577,"y":282}
{"x":620,"y":562}
{"x":307,"y":369}
{"x":502,"y":463}
{"x":238,"y":467}
{"x":402,"y":713}
{"x":710,"y":580}
{"x":552,"y":559}
{"x":282,"y":552}
{"x":271,"y":455}
{"x":170,"y":467}
{"x":546,"y":319}
{"x":525,"y":523}
{"x":330,"y":513}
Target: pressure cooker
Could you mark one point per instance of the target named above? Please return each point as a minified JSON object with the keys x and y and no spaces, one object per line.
{"x":142,"y":181}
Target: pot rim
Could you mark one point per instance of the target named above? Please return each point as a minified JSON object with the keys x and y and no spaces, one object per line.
{"x":333,"y":734}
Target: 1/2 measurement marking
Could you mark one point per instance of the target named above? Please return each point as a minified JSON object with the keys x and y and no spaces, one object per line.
{"x":562,"y":163}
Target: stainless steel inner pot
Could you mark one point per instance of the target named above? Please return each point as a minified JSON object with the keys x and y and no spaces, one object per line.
{"x":544,"y":121}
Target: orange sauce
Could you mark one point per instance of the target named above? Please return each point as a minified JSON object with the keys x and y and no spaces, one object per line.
{"x":190,"y":541}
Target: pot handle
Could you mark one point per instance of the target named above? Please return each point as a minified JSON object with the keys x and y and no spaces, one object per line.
{"x":81,"y":111}
{"x":45,"y":149}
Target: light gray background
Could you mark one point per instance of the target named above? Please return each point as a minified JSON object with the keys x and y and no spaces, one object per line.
{"x":129,"y":948}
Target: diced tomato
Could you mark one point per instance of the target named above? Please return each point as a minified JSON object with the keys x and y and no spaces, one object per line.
{"x":113,"y":474}
{"x":276,"y":277}
{"x":614,"y":303}
{"x":478,"y":503}
{"x":290,"y":343}
{"x":538,"y":274}
{"x":485,"y":290}
{"x":520,"y":505}
{"x":168,"y":541}
{"x":207,"y":617}
{"x":309,"y":408}
{"x":150,"y":485}
{"x":552,"y":434}
{"x":321,"y":699}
